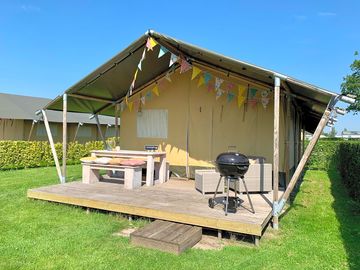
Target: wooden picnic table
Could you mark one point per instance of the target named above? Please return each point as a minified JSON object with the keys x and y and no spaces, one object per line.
{"x":150,"y":161}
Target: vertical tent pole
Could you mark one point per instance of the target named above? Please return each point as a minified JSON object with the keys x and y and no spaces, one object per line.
{"x":64,"y":138}
{"x":276,"y":148}
{"x":117,"y":124}
{"x":52,"y":145}
{"x":287,"y":139}
{"x":100,"y":131}
{"x":303,"y":138}
{"x":31,"y":129}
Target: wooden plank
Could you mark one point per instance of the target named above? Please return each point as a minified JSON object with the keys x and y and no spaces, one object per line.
{"x":167,"y":236}
{"x":158,"y":203}
{"x":276,"y":145}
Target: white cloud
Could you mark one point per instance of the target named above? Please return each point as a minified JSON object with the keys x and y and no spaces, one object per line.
{"x":30,"y":8}
{"x":326,"y":14}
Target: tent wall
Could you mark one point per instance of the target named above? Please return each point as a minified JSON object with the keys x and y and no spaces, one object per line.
{"x":11,"y":129}
{"x":213,"y":125}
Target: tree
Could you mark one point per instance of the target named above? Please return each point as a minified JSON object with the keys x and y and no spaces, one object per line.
{"x":351,"y":85}
{"x":332,"y":132}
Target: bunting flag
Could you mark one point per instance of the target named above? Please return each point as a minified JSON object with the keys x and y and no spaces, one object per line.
{"x":253,"y":103}
{"x":210,"y":87}
{"x":218,"y":83}
{"x":143,"y":100}
{"x":265,"y":98}
{"x":240,"y":100}
{"x":162,"y":51}
{"x":219,"y":93}
{"x":151,"y":43}
{"x":142,"y":59}
{"x":207,"y":77}
{"x":126,"y":101}
{"x":130,"y":105}
{"x":184,"y":66}
{"x":195,"y":72}
{"x":148,"y":95}
{"x":122,"y":106}
{"x":139,"y":65}
{"x":252,"y":93}
{"x":156,"y":90}
{"x":136,"y":105}
{"x":173,"y":59}
{"x":201,"y":81}
{"x":230,"y":85}
{"x":230,"y":96}
{"x":242,"y":90}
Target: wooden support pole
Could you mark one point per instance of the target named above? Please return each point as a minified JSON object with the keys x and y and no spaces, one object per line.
{"x":32,"y":129}
{"x":117,"y":109}
{"x":77,"y":130}
{"x":303,"y":138}
{"x":287,"y":151}
{"x":276,"y":147}
{"x":52,"y":145}
{"x":100,"y":131}
{"x":64,"y":138}
{"x":306,"y":155}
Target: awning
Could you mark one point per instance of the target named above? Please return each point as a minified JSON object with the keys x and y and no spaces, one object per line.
{"x":107,"y":85}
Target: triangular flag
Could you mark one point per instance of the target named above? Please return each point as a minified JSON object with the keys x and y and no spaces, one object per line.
{"x":196,"y":71}
{"x":126,"y":101}
{"x":173,"y":59}
{"x":242,"y":90}
{"x":253,"y":102}
{"x":240,"y":101}
{"x":151,"y":43}
{"x":130,"y":105}
{"x":218,"y":83}
{"x":207,"y":77}
{"x":219,"y":93}
{"x":135,"y":75}
{"x":143,"y":99}
{"x":162,"y":51}
{"x":230,"y":97}
{"x":139,"y":65}
{"x":156,"y":90}
{"x":230,"y":85}
{"x":122,"y":106}
{"x":210,"y":87}
{"x":265,"y":101}
{"x":185,"y":66}
{"x":136,"y":104}
{"x":143,"y":55}
{"x":252,"y":92}
{"x":148,"y":95}
{"x":201,"y":81}
{"x":168,"y":76}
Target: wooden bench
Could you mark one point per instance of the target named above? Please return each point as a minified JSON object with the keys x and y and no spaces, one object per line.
{"x":132,"y":174}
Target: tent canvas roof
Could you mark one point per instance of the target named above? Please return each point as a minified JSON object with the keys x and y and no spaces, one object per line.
{"x":109,"y":84}
{"x":24,"y":107}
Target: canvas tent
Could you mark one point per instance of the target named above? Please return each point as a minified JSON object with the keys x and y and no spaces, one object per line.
{"x":18,"y":120}
{"x":229,"y":104}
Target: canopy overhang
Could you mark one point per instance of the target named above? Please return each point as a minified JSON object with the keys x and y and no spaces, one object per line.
{"x":108,"y":85}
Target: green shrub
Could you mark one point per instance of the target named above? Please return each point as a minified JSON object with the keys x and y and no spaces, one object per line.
{"x":349,"y":164}
{"x":324,"y":155}
{"x":23,"y":154}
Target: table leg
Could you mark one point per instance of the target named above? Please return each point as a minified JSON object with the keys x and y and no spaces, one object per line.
{"x":150,"y":171}
{"x":162,"y":170}
{"x":89,"y":175}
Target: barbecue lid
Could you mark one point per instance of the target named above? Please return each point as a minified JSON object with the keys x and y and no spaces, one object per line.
{"x":232,"y":158}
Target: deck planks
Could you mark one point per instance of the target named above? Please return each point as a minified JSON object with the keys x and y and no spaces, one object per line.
{"x":175,"y":200}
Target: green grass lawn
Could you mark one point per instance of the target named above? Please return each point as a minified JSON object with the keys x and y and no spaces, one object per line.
{"x":321,"y":230}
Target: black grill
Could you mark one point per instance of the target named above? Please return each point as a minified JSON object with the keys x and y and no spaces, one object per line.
{"x":232,"y":166}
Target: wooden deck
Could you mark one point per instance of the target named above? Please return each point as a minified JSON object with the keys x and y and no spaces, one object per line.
{"x":175,"y":200}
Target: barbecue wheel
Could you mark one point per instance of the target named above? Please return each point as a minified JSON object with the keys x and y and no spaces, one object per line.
{"x":211,"y":203}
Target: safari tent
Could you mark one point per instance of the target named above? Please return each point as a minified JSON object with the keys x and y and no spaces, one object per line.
{"x":194,"y":104}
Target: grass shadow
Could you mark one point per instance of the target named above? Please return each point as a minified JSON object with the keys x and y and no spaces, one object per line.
{"x":348,"y":215}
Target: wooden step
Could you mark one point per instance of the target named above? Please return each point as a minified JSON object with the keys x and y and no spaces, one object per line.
{"x":167,"y":236}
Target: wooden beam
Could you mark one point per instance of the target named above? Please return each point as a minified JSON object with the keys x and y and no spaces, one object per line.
{"x":100,"y":131}
{"x":64,"y":146}
{"x":52,"y":145}
{"x":306,"y":155}
{"x":31,"y":129}
{"x":276,"y":146}
{"x":117,"y":109}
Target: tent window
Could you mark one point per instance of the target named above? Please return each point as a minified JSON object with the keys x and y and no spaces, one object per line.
{"x":84,"y":132}
{"x":41,"y":131}
{"x":152,"y":124}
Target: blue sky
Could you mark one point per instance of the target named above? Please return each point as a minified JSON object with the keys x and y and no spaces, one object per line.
{"x":46,"y":46}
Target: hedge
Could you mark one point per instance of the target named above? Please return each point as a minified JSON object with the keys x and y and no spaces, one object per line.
{"x":349,"y":164}
{"x":23,"y":154}
{"x":324,"y":155}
